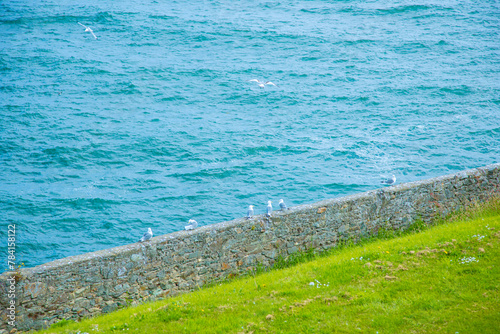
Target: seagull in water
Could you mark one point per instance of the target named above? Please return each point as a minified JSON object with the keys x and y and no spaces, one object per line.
{"x":390,"y":181}
{"x":269,"y":208}
{"x":192,"y":225}
{"x":87,"y":29}
{"x":250,"y":212}
{"x":148,"y":235}
{"x":282,"y":205}
{"x":262,"y":84}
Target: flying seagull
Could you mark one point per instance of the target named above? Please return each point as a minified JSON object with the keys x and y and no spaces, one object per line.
{"x":262,"y":84}
{"x":282,"y":205}
{"x":390,"y":181}
{"x":148,"y":235}
{"x":192,"y":225}
{"x":269,"y":208}
{"x":87,"y":29}
{"x":250,"y":212}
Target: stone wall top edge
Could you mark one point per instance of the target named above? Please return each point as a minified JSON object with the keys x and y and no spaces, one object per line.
{"x":81,"y":259}
{"x":226,"y":225}
{"x":129,"y":248}
{"x":395,"y":188}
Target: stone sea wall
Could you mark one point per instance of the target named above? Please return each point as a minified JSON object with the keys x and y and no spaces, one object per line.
{"x":100,"y":282}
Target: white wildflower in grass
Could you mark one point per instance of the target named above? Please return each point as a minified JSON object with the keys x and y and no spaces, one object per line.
{"x":466,"y":260}
{"x":479,"y":237}
{"x":319,"y":284}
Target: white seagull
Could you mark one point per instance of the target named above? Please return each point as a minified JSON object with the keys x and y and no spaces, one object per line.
{"x":390,"y":181}
{"x":269,"y":208}
{"x":148,"y":235}
{"x":250,"y":212}
{"x":262,"y":84}
{"x":87,"y":29}
{"x":192,"y":225}
{"x":282,"y":205}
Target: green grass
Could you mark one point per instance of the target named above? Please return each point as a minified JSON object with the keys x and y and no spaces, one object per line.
{"x":449,"y":284}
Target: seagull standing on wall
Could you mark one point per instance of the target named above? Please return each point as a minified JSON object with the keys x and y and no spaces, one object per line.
{"x":269,"y":208}
{"x":390,"y":181}
{"x":87,"y":29}
{"x":282,"y":205}
{"x":148,"y":235}
{"x":192,"y":225}
{"x":250,"y":212}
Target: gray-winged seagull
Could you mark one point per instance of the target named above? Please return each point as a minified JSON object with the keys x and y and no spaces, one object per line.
{"x":262,"y":84}
{"x":87,"y":29}
{"x":269,"y":208}
{"x":250,"y":212}
{"x":192,"y":225}
{"x":148,"y":235}
{"x":392,"y":180}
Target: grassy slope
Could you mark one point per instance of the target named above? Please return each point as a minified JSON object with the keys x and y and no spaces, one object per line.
{"x":426,"y":292}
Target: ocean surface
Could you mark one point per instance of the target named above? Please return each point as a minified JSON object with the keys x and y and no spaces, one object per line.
{"x":155,"y":122}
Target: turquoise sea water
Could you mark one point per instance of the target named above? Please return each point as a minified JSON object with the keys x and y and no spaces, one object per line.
{"x":154,"y":123}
